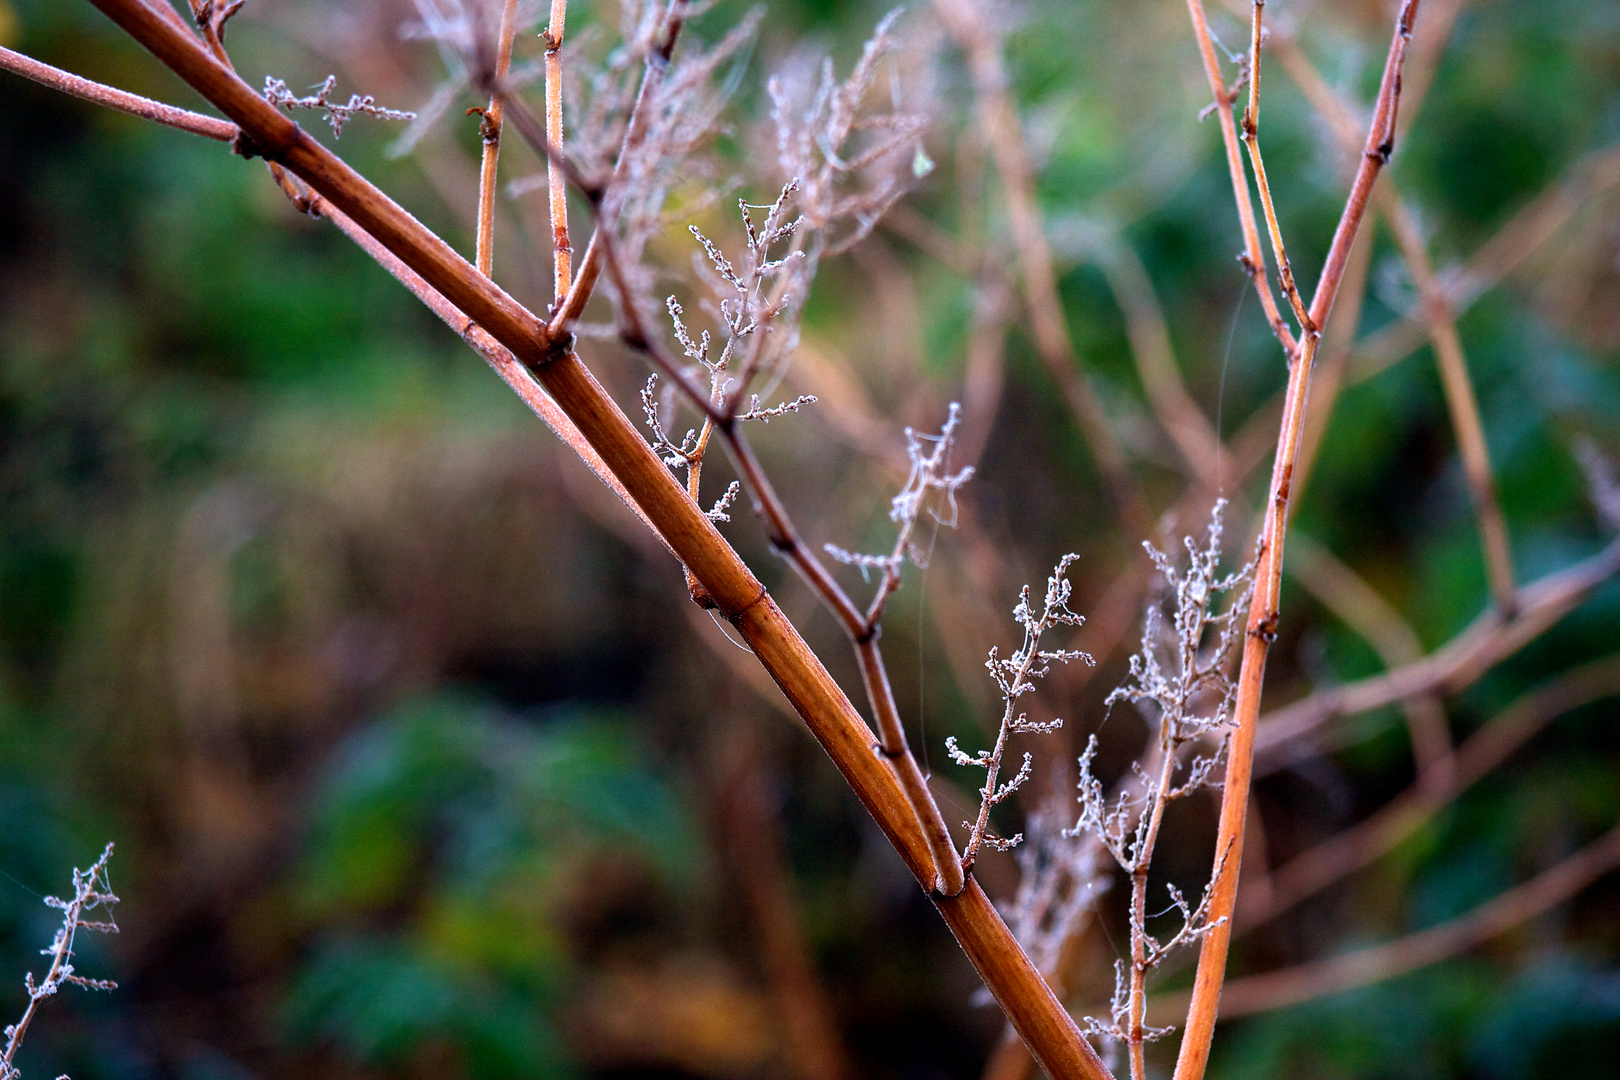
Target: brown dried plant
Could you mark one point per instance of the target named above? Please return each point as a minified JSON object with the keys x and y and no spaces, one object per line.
{"x":634,"y":154}
{"x":91,"y":890}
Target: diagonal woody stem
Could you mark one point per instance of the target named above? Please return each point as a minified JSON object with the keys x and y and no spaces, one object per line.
{"x":737,"y":593}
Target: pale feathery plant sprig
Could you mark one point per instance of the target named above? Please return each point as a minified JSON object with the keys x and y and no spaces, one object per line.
{"x":91,"y":890}
{"x":745,"y":317}
{"x":930,"y":487}
{"x":1016,"y":676}
{"x":458,"y":30}
{"x":676,"y":115}
{"x":277,"y":93}
{"x":1180,"y":680}
{"x":1060,"y":878}
{"x":815,"y":119}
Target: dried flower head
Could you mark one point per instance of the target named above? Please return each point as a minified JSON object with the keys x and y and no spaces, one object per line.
{"x":1016,"y":676}
{"x":277,"y":93}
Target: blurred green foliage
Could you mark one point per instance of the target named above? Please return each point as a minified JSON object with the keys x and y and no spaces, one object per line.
{"x":451,"y":824}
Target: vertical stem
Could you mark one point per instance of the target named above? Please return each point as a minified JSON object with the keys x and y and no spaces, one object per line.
{"x":1263,"y":610}
{"x":491,"y":128}
{"x":1253,"y":257}
{"x":1460,"y":402}
{"x":1139,"y":880}
{"x":557,"y":185}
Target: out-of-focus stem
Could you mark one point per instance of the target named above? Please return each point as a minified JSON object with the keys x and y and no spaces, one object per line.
{"x":1461,"y":401}
{"x":1002,"y":128}
{"x":1336,"y":974}
{"x":1493,"y":743}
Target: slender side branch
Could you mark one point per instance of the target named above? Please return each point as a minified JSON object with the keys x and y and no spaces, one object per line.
{"x":210,"y":127}
{"x":1251,"y":139}
{"x":656,"y":67}
{"x":1252,"y":258}
{"x":556,"y":183}
{"x":490,"y":129}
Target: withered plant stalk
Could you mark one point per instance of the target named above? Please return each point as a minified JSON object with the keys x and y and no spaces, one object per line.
{"x":1264,"y":610}
{"x":735,"y":592}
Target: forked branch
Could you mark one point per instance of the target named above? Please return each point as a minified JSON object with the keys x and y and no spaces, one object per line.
{"x":735,"y":591}
{"x":1264,"y":610}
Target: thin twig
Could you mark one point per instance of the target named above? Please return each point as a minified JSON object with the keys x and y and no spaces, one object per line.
{"x":556,"y":183}
{"x":656,"y":66}
{"x":1253,"y":258}
{"x":210,"y":127}
{"x":1251,"y":139}
{"x":490,"y":130}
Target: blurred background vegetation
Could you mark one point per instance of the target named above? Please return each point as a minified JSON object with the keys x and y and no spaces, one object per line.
{"x":419,"y":762}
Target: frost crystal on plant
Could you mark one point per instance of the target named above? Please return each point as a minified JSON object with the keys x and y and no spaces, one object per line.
{"x":277,"y":93}
{"x":1179,"y":680}
{"x":1015,"y":675}
{"x":91,"y":890}
{"x":929,"y":486}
